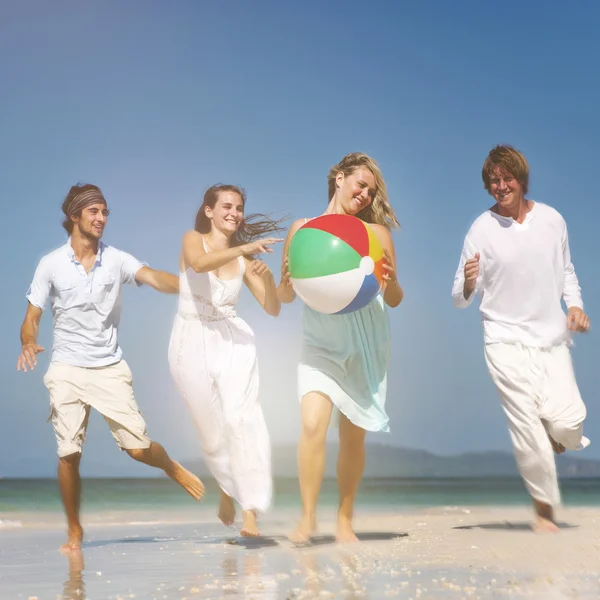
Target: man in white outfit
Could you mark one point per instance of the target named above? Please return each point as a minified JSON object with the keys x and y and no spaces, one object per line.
{"x":83,"y":282}
{"x":516,"y":257}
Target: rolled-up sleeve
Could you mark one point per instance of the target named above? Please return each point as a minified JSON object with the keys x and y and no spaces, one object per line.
{"x":39,"y":290}
{"x":129,"y":267}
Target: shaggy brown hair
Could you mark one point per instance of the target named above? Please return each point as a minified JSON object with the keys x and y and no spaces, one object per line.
{"x":74,"y":191}
{"x":510,"y":161}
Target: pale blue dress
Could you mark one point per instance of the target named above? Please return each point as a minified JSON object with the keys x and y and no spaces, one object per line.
{"x":346,"y":357}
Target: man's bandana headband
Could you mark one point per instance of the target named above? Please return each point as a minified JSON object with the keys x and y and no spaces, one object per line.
{"x":84,"y":200}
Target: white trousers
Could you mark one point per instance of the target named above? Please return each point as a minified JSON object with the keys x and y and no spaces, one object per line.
{"x":215,"y":368}
{"x":540,"y":397}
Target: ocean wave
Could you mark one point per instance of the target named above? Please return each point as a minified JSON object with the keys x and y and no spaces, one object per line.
{"x":6,"y":524}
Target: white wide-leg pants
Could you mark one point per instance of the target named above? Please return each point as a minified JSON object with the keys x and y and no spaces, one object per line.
{"x":215,"y":368}
{"x":540,"y":397}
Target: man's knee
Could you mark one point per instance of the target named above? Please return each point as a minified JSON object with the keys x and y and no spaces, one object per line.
{"x":568,"y":434}
{"x":138,"y":454}
{"x":70,"y":461}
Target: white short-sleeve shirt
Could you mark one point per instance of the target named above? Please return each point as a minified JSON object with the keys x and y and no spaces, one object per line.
{"x":86,"y":307}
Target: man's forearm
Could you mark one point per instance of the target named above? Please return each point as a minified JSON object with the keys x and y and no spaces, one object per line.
{"x":167,"y":283}
{"x":29,"y":332}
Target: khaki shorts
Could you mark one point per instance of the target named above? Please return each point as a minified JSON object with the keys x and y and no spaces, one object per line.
{"x":75,"y":390}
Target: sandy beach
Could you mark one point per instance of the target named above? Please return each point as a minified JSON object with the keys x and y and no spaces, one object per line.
{"x":446,"y":552}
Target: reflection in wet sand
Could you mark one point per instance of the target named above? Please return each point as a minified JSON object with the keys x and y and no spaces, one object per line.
{"x":74,"y":587}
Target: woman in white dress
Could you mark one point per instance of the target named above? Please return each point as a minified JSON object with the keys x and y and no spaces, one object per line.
{"x":212,"y":355}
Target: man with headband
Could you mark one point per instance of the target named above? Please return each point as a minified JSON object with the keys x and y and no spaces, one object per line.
{"x":83,"y":280}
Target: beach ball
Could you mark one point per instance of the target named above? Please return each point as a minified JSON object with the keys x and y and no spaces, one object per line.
{"x":336,"y":264}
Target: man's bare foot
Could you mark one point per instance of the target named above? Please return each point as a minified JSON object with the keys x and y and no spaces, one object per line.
{"x":226,"y":509}
{"x":74,"y":539}
{"x":345,"y":534}
{"x":304,"y":532}
{"x":544,"y":518}
{"x":249,"y":526}
{"x":187,"y":480}
{"x":542,"y":525}
{"x":558,"y":448}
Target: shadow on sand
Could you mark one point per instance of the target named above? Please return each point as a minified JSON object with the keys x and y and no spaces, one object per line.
{"x":133,"y":540}
{"x":364,"y":536}
{"x":508,"y":526}
{"x":249,"y":542}
{"x":318,"y":540}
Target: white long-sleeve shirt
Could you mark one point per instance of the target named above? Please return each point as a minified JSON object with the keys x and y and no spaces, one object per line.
{"x":524,"y":272}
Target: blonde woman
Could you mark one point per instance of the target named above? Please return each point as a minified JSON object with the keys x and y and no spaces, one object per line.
{"x":344,"y":360}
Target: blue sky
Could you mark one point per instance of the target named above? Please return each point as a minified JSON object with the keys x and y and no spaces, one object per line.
{"x":156,"y":101}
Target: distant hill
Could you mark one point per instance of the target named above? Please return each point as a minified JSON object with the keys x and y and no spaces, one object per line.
{"x":390,"y":461}
{"x":382,"y":461}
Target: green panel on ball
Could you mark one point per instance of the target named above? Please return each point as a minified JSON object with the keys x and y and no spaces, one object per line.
{"x":315,"y":253}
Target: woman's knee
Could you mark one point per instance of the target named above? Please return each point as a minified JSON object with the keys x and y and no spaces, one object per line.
{"x":316,"y":414}
{"x":314,"y":428}
{"x":350,"y":433}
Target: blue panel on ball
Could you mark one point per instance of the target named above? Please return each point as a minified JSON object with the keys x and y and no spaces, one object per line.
{"x":368,"y":290}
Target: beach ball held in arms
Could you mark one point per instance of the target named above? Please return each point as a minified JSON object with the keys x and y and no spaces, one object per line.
{"x":336,"y":264}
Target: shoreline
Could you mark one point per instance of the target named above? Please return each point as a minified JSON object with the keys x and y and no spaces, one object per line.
{"x":435,"y":552}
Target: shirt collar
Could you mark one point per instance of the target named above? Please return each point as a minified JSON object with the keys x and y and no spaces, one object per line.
{"x":71,"y":252}
{"x":528,"y":217}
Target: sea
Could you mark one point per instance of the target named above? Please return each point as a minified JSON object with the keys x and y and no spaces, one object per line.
{"x":38,"y":499}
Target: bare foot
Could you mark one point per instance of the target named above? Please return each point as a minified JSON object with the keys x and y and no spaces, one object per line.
{"x":188,"y":481}
{"x":345,"y":534}
{"x":304,"y":532}
{"x":544,"y":518}
{"x":558,"y":448}
{"x":226,"y":509}
{"x":74,"y":539}
{"x":249,"y":526}
{"x":542,"y":525}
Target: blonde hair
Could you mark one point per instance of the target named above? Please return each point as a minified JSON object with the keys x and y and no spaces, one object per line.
{"x":380,"y":210}
{"x":508,"y":159}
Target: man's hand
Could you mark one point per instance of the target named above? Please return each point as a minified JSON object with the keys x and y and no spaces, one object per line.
{"x":28,"y":358}
{"x":577,"y":320}
{"x":471,"y":275}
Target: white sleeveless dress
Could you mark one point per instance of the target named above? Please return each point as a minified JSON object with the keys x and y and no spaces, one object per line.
{"x":212,"y":359}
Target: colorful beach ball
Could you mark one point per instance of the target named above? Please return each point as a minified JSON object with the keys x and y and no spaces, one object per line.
{"x":336,"y":264}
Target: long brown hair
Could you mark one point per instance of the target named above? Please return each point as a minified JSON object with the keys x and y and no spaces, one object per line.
{"x":253,"y":227}
{"x":380,"y":210}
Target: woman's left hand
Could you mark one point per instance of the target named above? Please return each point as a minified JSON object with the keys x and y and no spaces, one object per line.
{"x":260,"y":268}
{"x":389,"y":274}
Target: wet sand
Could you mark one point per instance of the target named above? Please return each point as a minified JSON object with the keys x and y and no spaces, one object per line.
{"x":453,"y":552}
